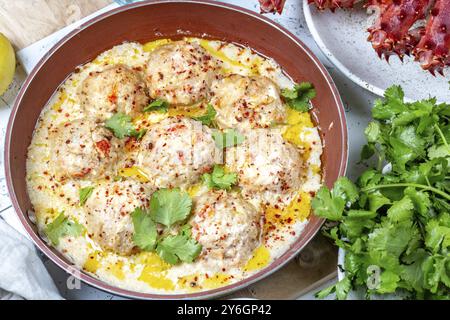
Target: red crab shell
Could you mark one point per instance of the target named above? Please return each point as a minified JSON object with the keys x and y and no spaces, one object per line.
{"x":271,"y":6}
{"x":432,"y":51}
{"x":333,"y":4}
{"x":392,"y":31}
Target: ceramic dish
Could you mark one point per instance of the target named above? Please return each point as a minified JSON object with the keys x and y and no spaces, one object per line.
{"x":151,"y":20}
{"x":342,"y":37}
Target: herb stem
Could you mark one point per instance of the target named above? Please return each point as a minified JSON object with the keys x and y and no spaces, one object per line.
{"x":441,"y":134}
{"x":414,"y":185}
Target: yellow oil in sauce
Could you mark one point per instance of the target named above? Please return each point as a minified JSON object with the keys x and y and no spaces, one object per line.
{"x":156,"y":281}
{"x":152,"y":45}
{"x":154,"y":271}
{"x":253,"y":68}
{"x":62,"y":97}
{"x":191,"y":111}
{"x":297,"y":123}
{"x":189,"y":282}
{"x":195,"y":282}
{"x":216,"y":281}
{"x":93,"y":261}
{"x":116,"y":269}
{"x":194,"y":190}
{"x":297,"y":210}
{"x":135,"y":172}
{"x":259,"y":259}
{"x":152,"y":262}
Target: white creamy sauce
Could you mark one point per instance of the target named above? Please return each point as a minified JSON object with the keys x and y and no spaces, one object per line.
{"x":146,"y":272}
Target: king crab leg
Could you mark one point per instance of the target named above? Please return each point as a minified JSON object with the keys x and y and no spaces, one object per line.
{"x":433,"y":49}
{"x":333,"y":4}
{"x":391,"y":32}
{"x":268,"y":6}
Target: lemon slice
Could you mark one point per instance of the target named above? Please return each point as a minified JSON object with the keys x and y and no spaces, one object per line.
{"x":7,"y":63}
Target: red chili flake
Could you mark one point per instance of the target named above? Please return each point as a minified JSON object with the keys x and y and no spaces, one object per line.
{"x":84,"y":172}
{"x":113,"y":97}
{"x":104,"y":146}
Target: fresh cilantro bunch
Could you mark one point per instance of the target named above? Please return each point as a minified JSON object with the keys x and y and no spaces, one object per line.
{"x":168,"y":208}
{"x":395,"y":225}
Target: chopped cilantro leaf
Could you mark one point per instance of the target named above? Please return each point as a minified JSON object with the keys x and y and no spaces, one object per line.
{"x":145,"y":232}
{"x":60,"y":227}
{"x":219,"y":179}
{"x":298,"y":98}
{"x":169,"y":206}
{"x":84,"y":194}
{"x":121,"y":126}
{"x":208,"y":118}
{"x":157,"y":105}
{"x":181,"y":247}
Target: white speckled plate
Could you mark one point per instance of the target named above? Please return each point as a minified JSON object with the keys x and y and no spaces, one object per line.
{"x":342,"y":36}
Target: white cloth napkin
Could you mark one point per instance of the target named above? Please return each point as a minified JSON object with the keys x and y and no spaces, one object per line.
{"x":22,"y":273}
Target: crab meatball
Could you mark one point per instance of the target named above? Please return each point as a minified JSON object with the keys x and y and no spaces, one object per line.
{"x":114,"y":89}
{"x":180,"y":73}
{"x":247,"y":102}
{"x":227,"y":227}
{"x":108,"y":214}
{"x":177,"y":151}
{"x":81,"y":149}
{"x":265,"y":162}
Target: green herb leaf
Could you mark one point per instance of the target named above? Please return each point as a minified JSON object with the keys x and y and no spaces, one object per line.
{"x":326,"y":206}
{"x":227,"y":138}
{"x":208,"y":118}
{"x":181,"y":247}
{"x":84,"y":194}
{"x":399,"y":219}
{"x":62,"y":227}
{"x":121,"y":126}
{"x":388,"y":282}
{"x":145,"y":232}
{"x":345,"y":189}
{"x":157,"y":105}
{"x":169,"y":206}
{"x":401,"y":210}
{"x":299,"y":97}
{"x":219,"y":179}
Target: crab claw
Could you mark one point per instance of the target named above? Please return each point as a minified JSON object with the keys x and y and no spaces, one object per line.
{"x":433,"y":50}
{"x":333,"y":4}
{"x":391,"y":33}
{"x":268,"y":6}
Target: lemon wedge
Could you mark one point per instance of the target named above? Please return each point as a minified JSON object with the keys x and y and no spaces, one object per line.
{"x":7,"y":63}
